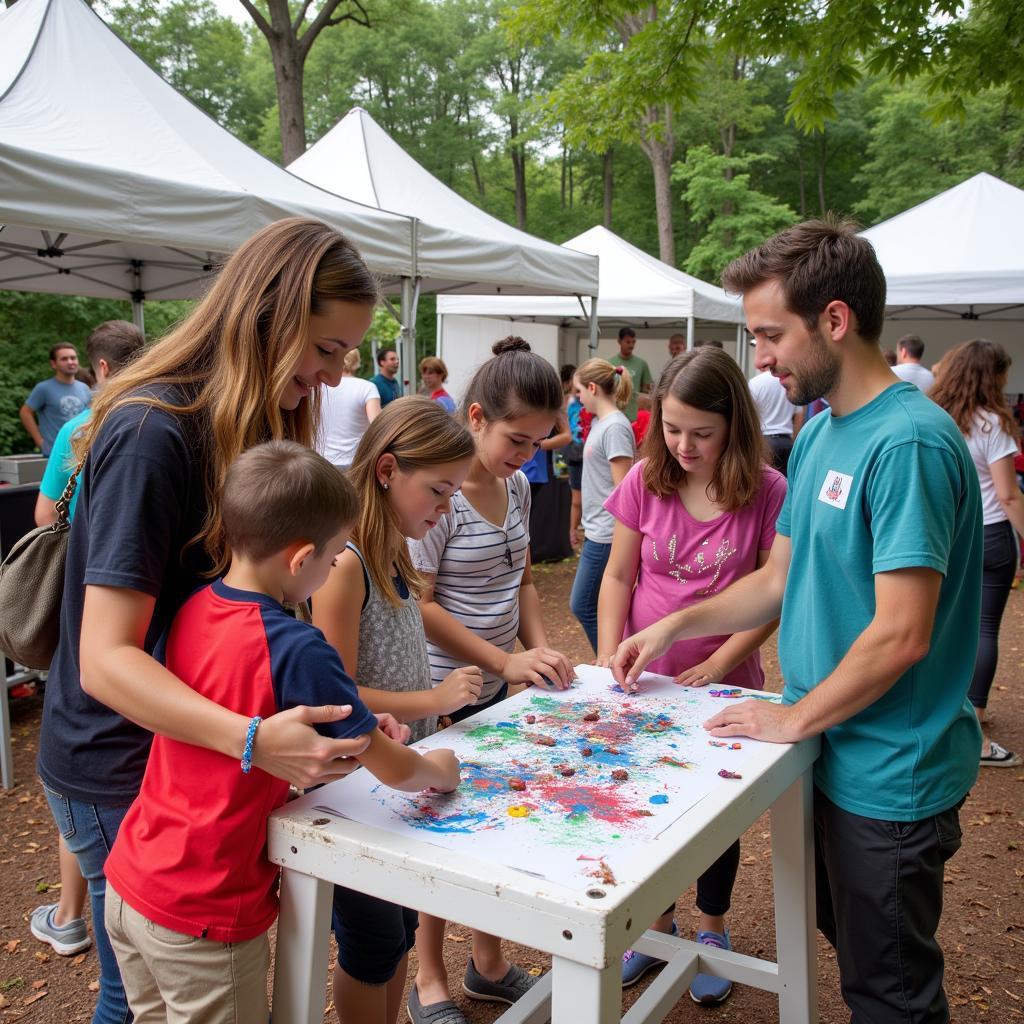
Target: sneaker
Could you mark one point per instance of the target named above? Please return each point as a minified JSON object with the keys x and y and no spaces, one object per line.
{"x":635,"y":965}
{"x":999,"y":757}
{"x":66,"y":939}
{"x":445,"y":1012}
{"x":708,"y":989}
{"x":513,"y":986}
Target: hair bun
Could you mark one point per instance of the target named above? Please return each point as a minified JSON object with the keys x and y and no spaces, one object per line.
{"x":512,"y":343}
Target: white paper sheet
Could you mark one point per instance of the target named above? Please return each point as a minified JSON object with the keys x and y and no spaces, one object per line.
{"x":618,"y":771}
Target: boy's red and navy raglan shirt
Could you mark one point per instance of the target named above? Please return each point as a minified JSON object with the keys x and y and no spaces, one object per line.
{"x":191,"y":854}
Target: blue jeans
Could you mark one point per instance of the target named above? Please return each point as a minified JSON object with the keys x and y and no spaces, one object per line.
{"x":587,"y":586}
{"x":89,"y":831}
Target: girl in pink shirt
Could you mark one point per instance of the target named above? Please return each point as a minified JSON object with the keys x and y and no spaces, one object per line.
{"x":693,"y":516}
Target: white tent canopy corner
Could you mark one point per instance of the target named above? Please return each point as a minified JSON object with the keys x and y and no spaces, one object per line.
{"x":635,"y":288}
{"x":457,"y":247}
{"x":113,"y":185}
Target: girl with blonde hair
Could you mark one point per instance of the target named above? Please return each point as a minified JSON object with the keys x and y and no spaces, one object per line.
{"x":604,"y":391}
{"x":970,"y":385}
{"x":695,"y":514}
{"x":244,"y":367}
{"x":478,"y":598}
{"x":409,"y":464}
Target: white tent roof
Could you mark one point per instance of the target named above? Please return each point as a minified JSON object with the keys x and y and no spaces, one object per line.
{"x":961,"y":247}
{"x":634,"y":286}
{"x":459,"y":247}
{"x":104,"y":163}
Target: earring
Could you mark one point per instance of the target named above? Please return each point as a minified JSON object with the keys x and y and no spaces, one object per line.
{"x":385,"y":485}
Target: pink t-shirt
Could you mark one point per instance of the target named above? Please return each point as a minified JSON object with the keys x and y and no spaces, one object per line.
{"x":683,"y":561}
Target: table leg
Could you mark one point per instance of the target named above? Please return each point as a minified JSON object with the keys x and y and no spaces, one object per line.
{"x":582,"y":993}
{"x":300,"y":967}
{"x":793,"y":868}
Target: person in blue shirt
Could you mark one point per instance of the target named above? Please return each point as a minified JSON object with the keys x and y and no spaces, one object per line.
{"x":109,"y":347}
{"x":876,"y":572}
{"x":55,"y":400}
{"x":386,"y":377}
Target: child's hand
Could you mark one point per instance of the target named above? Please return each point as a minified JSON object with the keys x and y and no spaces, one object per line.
{"x":458,"y":689}
{"x":447,"y":765}
{"x":393,"y":728}
{"x":700,"y":675}
{"x":604,"y":660}
{"x":539,"y":666}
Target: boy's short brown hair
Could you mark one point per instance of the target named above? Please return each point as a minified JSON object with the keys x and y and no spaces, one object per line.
{"x":116,"y":341}
{"x":281,"y":492}
{"x":815,"y":263}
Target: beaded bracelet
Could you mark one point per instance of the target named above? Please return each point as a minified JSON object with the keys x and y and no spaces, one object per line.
{"x":249,"y":737}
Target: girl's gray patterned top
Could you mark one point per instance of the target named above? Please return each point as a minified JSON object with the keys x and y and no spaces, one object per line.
{"x":393,"y":647}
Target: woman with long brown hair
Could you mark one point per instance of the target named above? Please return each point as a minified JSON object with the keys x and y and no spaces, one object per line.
{"x":970,"y":386}
{"x":243,"y":368}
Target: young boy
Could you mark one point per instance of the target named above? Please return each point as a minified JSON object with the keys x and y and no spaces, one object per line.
{"x":190,"y":892}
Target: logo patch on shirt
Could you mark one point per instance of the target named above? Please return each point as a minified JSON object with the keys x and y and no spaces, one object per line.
{"x":836,"y":489}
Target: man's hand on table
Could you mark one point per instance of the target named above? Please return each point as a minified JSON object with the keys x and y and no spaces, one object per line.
{"x":759,"y":720}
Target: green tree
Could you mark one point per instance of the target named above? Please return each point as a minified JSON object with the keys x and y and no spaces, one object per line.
{"x":910,"y":157}
{"x":737,"y":216}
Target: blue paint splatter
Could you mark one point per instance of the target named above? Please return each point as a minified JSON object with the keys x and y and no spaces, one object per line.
{"x":659,"y":798}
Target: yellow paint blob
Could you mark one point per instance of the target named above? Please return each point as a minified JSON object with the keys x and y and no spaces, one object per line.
{"x":518,"y":811}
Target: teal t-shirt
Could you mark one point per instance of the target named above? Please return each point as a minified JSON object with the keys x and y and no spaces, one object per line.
{"x":889,"y":486}
{"x":61,"y":463}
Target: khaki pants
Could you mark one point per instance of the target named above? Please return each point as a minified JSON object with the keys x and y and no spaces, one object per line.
{"x":171,"y":978}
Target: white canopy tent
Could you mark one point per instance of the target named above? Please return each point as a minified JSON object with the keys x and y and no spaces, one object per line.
{"x":114,"y":185}
{"x":635,"y":289}
{"x":958,"y":255}
{"x":457,"y":246}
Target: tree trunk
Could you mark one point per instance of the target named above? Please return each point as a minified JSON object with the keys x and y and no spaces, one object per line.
{"x":288,"y":73}
{"x":608,"y":181}
{"x":477,"y":178}
{"x":519,"y":180}
{"x":658,"y":144}
{"x":290,"y":42}
{"x":802,"y":181}
{"x":564,"y":162}
{"x":822,"y":160}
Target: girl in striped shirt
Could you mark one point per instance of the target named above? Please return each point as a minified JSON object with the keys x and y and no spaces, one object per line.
{"x":477,"y":599}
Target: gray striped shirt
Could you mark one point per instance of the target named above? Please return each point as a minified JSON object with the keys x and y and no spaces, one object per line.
{"x":474,"y":582}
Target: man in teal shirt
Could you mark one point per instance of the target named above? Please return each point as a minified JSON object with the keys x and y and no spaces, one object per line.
{"x":639,"y":371}
{"x":876,"y":571}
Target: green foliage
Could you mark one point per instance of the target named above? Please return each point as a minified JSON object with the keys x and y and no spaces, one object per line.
{"x":737,"y":216}
{"x":910,"y":157}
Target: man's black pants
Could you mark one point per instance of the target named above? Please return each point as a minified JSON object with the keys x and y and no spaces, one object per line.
{"x":879,"y":900}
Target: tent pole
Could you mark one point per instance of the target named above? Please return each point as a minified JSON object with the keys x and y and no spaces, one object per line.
{"x":138,"y":315}
{"x":594,"y":329}
{"x":690,"y":330}
{"x":407,"y":336}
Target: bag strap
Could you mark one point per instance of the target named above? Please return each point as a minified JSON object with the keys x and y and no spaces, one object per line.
{"x":64,"y":501}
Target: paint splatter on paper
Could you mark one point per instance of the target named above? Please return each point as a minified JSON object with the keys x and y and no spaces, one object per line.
{"x":553,"y":783}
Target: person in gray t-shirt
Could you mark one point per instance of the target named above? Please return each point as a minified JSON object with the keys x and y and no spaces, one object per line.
{"x":57,"y":399}
{"x":604,"y":390}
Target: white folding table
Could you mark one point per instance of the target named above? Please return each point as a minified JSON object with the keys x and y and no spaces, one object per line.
{"x":586,"y":930}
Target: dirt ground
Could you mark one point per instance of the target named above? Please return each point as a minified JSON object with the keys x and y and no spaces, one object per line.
{"x":982,"y":929}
